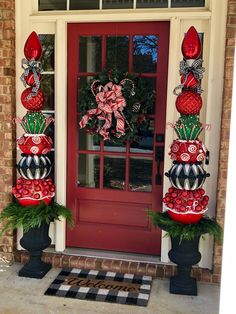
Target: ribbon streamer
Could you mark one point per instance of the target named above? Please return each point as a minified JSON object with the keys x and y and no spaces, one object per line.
{"x":34,"y":67}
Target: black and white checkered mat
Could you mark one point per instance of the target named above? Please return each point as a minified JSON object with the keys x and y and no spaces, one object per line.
{"x":101,"y":286}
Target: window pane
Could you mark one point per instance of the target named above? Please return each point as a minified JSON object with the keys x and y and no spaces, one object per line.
{"x":114,"y":172}
{"x":88,"y":175}
{"x":84,"y":4}
{"x":50,"y":155}
{"x":47,"y":86}
{"x":90,"y":51}
{"x":145,"y":138}
{"x":50,"y":129}
{"x":82,"y":81}
{"x":117,"y":53}
{"x":113,"y":147}
{"x":140,"y":177}
{"x":47,"y":59}
{"x":117,"y":4}
{"x":47,"y":5}
{"x":145,"y":53}
{"x":152,"y":4}
{"x":87,"y":141}
{"x":150,"y":86}
{"x":187,"y":3}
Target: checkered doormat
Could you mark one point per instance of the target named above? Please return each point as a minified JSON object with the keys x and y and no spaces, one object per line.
{"x":101,"y":286}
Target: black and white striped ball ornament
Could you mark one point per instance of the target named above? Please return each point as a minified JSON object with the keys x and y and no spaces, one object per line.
{"x":34,"y":166}
{"x":185,"y":176}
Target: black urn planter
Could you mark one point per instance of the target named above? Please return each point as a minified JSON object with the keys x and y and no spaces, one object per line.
{"x":185,"y":254}
{"x":35,"y":241}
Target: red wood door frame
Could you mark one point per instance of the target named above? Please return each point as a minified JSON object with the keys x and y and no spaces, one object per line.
{"x":104,"y":218}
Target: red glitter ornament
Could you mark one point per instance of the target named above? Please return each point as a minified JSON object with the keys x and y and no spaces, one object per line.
{"x":33,"y":103}
{"x":189,"y":103}
{"x":191,"y":46}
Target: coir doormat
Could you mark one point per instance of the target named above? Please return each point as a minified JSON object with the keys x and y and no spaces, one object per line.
{"x":101,"y":286}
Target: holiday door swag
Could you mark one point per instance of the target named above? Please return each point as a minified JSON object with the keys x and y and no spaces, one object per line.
{"x":113,"y":105}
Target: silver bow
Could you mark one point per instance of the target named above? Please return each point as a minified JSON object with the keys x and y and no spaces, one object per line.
{"x":34,"y":67}
{"x":196,"y":69}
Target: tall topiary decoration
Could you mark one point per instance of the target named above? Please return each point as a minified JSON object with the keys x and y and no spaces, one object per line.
{"x":185,"y":200}
{"x":33,"y":208}
{"x":33,"y":186}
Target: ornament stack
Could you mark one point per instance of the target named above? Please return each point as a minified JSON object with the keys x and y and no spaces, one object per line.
{"x":186,"y":201}
{"x":34,"y":167}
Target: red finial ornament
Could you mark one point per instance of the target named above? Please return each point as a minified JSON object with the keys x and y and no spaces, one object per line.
{"x":191,"y":46}
{"x":33,"y":48}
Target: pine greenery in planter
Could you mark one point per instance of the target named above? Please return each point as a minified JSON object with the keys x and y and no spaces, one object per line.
{"x":14,"y":215}
{"x":186,"y":231}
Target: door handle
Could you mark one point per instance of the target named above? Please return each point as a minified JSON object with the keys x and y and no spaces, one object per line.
{"x":159,"y":155}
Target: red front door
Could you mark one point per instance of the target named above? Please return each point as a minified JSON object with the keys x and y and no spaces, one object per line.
{"x":109,"y":186}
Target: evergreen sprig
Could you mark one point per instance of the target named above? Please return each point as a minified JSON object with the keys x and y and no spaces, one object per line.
{"x":185,"y":231}
{"x":14,"y":215}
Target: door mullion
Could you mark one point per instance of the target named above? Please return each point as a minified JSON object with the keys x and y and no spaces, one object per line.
{"x":130,"y":53}
{"x":103,"y":51}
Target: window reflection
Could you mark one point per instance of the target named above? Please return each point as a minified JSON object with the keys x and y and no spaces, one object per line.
{"x":90,"y":51}
{"x":47,"y":59}
{"x":145,"y":138}
{"x":152,"y":4}
{"x":47,"y":86}
{"x":88,"y":170}
{"x":117,"y":52}
{"x":87,"y":141}
{"x":145,"y":53}
{"x":140,"y":177}
{"x":114,"y":172}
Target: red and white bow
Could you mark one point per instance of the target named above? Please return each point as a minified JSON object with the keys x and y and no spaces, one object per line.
{"x":110,"y":101}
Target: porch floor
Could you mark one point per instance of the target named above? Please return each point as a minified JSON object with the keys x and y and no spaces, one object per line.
{"x":26,"y":296}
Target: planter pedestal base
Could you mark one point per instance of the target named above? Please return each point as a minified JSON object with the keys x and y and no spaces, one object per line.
{"x":35,"y":241}
{"x":182,"y":284}
{"x":185,"y":254}
{"x":35,"y":268}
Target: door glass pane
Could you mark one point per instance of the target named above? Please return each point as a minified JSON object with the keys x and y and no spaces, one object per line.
{"x":140,"y":176}
{"x":187,"y":3}
{"x":113,"y":147}
{"x":152,"y":4}
{"x":88,"y":170}
{"x":150,"y":87}
{"x":82,"y":82}
{"x":47,"y":59}
{"x":145,"y":53}
{"x":117,"y":4}
{"x":114,"y":172}
{"x":51,"y":128}
{"x":90,"y":51}
{"x":47,"y":5}
{"x":84,"y":4}
{"x":145,"y":138}
{"x":117,"y":53}
{"x":47,"y":86}
{"x":87,"y":141}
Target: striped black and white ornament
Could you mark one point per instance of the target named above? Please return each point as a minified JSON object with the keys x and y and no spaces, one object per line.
{"x":186,"y":176}
{"x":34,"y":166}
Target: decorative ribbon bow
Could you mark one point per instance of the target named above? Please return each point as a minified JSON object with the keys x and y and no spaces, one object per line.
{"x":110,"y":101}
{"x":34,"y":67}
{"x":195,"y":68}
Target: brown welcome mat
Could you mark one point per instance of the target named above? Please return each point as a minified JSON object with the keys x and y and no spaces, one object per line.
{"x":101,"y":286}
